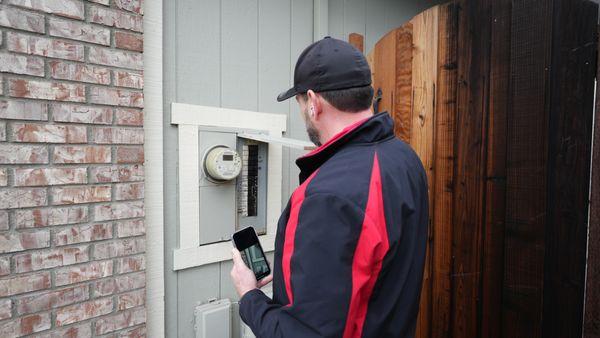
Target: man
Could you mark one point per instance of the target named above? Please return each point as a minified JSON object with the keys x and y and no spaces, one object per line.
{"x":350,"y":245}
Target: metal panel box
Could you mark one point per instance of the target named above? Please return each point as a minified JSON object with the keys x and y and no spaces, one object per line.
{"x":213,"y":320}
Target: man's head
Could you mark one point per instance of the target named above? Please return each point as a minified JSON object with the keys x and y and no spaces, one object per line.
{"x":332,"y":103}
{"x":332,"y":84}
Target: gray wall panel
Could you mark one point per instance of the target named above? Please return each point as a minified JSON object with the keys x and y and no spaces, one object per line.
{"x":241,"y":54}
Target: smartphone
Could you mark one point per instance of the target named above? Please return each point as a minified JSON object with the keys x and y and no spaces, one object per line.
{"x":246,"y":241}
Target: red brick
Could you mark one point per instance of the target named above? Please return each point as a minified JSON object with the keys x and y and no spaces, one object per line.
{"x":4,"y":220}
{"x":129,"y":117}
{"x":2,"y":131}
{"x":47,"y":259}
{"x":108,"y":135}
{"x":119,"y":210}
{"x":116,"y":97}
{"x":115,"y":58}
{"x":32,"y":44}
{"x":48,"y":133}
{"x":25,"y":325}
{"x":22,"y":20}
{"x":81,"y":154}
{"x":23,"y":110}
{"x":5,"y":308}
{"x":58,"y":91}
{"x":130,"y":154}
{"x":79,"y":312}
{"x":21,"y":64}
{"x":80,"y":194}
{"x":128,"y":228}
{"x":79,"y":72}
{"x":74,"y":331}
{"x":51,"y":299}
{"x":131,"y":264}
{"x":83,"y":233}
{"x":4,"y":265}
{"x":130,"y":5}
{"x":129,"y":191}
{"x":19,"y":241}
{"x":116,"y":18}
{"x":119,"y":284}
{"x":35,"y":218}
{"x":129,"y":41}
{"x":120,"y":247}
{"x":67,"y":8}
{"x":128,"y":79}
{"x":117,"y":173}
{"x":131,"y":299}
{"x":49,"y":176}
{"x":13,"y":198}
{"x":121,"y":320}
{"x":23,"y":154}
{"x":82,"y":273}
{"x":81,"y":114}
{"x":15,"y":285}
{"x":78,"y":31}
{"x":3,"y":177}
{"x":137,"y":332}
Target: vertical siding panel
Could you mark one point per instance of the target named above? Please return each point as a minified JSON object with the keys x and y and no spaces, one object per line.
{"x":273,"y":54}
{"x":239,"y":59}
{"x":336,"y":18}
{"x":198,"y":55}
{"x":301,"y":37}
{"x":354,"y":17}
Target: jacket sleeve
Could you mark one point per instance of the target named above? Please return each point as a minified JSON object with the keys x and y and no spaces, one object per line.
{"x":326,"y":236}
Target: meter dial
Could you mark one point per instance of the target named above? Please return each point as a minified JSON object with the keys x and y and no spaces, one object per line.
{"x":222,"y":164}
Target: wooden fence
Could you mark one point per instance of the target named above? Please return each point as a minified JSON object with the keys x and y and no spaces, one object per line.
{"x":497,"y":96}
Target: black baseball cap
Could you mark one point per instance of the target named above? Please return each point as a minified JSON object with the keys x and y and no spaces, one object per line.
{"x":329,"y":64}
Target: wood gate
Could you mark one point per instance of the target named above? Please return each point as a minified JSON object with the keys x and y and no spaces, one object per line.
{"x":496,"y":97}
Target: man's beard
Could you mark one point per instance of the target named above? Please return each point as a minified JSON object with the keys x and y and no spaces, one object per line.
{"x":313,"y":134}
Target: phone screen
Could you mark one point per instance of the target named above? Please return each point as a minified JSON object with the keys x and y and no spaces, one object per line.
{"x":252,"y":253}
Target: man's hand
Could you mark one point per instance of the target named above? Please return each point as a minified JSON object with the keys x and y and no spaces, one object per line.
{"x":243,"y":278}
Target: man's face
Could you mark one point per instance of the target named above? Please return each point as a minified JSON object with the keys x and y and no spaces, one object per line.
{"x":313,"y":133}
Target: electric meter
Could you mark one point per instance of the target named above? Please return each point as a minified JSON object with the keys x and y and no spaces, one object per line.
{"x":222,"y":164}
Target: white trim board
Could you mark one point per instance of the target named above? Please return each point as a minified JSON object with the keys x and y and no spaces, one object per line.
{"x":153,"y":167}
{"x":189,"y":119}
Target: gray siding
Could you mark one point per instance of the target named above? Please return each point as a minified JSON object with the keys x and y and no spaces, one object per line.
{"x":241,"y":54}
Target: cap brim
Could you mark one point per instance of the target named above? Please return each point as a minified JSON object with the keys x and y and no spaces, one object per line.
{"x":287,"y":94}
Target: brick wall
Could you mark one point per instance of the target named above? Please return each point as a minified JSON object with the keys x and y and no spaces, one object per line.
{"x":71,"y":169}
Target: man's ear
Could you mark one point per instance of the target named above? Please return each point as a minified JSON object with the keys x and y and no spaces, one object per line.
{"x":314,"y":104}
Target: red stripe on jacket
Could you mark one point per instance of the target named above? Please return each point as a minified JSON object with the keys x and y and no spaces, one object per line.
{"x":290,"y":235}
{"x":368,"y":257}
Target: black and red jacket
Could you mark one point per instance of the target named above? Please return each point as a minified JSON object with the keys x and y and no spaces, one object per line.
{"x":350,"y":245}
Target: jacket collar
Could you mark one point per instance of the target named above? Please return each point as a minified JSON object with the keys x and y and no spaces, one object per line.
{"x":370,"y":130}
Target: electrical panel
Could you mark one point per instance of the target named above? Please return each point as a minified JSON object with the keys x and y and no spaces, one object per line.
{"x":233,"y":184}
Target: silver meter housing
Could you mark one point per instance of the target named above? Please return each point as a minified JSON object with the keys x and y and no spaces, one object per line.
{"x":222,"y":164}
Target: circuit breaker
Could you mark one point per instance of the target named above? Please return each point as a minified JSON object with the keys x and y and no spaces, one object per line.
{"x":233,"y":184}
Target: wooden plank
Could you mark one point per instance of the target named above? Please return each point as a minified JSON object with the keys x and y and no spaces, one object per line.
{"x":591,"y":322}
{"x":574,"y":47}
{"x":357,"y":41}
{"x":424,"y":77}
{"x":393,"y":63}
{"x":443,"y":187}
{"x":527,"y":134}
{"x":402,"y":94}
{"x":470,"y":143}
{"x":495,"y":196}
